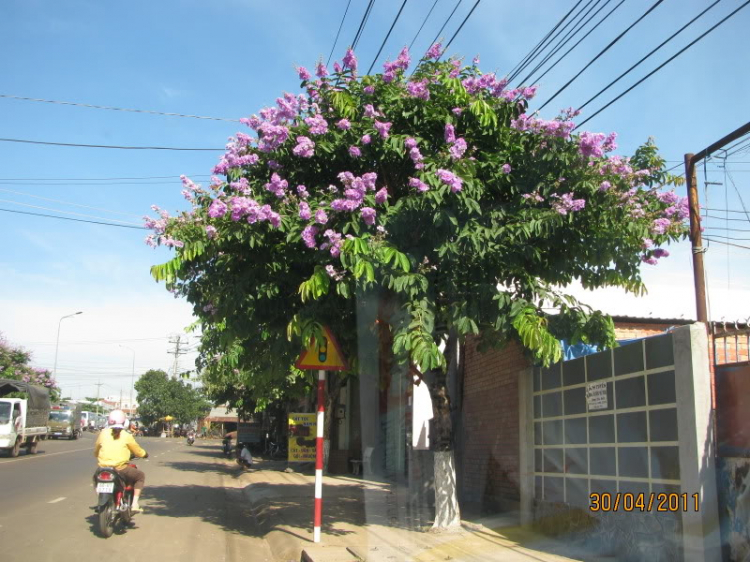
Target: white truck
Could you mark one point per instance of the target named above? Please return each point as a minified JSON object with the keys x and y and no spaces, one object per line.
{"x":23,"y":421}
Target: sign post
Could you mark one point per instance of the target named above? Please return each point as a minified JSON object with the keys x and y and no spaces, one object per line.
{"x":318,"y":515}
{"x":322,"y":356}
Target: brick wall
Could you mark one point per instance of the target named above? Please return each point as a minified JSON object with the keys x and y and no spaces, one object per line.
{"x":490,"y":448}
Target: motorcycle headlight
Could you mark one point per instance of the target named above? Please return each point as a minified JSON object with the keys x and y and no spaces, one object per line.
{"x":67,"y":429}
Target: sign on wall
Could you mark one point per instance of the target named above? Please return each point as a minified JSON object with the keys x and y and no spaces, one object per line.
{"x":596,"y":396}
{"x":302,"y":433}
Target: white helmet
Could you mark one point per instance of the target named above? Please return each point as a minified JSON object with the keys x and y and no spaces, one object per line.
{"x":116,"y":419}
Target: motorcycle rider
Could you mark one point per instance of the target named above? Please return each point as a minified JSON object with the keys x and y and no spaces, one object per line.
{"x":191,"y":435}
{"x":114,"y":448}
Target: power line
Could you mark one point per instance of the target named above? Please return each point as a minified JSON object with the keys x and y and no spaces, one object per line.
{"x":115,"y":341}
{"x":65,"y":202}
{"x":675,"y":34}
{"x":79,"y":184}
{"x":727,"y":243}
{"x":534,"y":53}
{"x":567,"y":37}
{"x":25,"y":141}
{"x":607,"y":48}
{"x":423,"y":23}
{"x":722,"y":210}
{"x":61,"y":211}
{"x":107,"y":179}
{"x":70,"y":219}
{"x":335,"y":41}
{"x":446,"y":23}
{"x":111,"y":108}
{"x":728,"y":237}
{"x":362,"y":24}
{"x":707,"y":216}
{"x":665,"y":63}
{"x":581,"y":40}
{"x":474,"y":7}
{"x":380,"y":50}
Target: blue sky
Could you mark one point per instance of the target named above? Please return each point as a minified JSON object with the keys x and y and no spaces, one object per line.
{"x":229,"y":58}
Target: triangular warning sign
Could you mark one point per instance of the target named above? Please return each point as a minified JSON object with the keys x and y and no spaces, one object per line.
{"x":327,"y":356}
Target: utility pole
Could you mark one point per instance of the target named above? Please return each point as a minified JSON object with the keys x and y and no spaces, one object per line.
{"x":696,"y":238}
{"x":98,"y":386}
{"x":177,"y":352}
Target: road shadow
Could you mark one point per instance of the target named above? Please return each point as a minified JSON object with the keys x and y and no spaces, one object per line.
{"x":203,"y":467}
{"x":120,"y":529}
{"x":224,"y":508}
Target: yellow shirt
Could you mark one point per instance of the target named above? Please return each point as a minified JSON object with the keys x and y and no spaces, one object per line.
{"x":116,"y":452}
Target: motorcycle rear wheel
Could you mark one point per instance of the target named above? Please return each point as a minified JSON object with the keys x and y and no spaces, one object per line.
{"x":107,"y":520}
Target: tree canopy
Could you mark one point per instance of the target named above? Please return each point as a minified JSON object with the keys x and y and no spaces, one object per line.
{"x":433,"y":198}
{"x":15,"y":364}
{"x":160,"y":396}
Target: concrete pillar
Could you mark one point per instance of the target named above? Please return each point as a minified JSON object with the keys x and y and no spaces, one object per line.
{"x":701,"y":535}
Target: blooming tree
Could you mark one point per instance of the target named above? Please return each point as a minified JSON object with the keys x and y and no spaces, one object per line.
{"x":14,"y":364}
{"x":413,"y":210}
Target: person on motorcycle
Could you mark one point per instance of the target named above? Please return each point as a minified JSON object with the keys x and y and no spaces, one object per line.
{"x":114,"y":448}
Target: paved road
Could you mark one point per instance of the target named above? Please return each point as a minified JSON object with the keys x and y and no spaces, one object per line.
{"x":192,"y":508}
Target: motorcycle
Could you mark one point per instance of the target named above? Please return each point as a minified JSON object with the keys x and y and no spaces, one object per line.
{"x":226,"y":448}
{"x":115,"y":500}
{"x":190,"y":439}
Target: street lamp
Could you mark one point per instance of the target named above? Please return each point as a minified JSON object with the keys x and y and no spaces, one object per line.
{"x":132,"y":378}
{"x":57,"y":344}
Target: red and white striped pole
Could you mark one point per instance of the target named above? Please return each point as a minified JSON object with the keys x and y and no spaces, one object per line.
{"x":318,"y":516}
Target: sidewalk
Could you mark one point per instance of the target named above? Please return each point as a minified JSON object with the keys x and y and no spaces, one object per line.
{"x":367,"y":520}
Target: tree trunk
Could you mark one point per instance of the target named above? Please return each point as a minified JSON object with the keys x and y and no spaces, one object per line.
{"x":447,"y":512}
{"x":335,"y":382}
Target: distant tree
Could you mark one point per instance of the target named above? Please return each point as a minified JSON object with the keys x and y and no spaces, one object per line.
{"x":15,"y":364}
{"x":159,"y":396}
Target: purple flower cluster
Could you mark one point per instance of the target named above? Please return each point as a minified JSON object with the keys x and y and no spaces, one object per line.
{"x":552,"y":128}
{"x":318,"y":125}
{"x":449,"y":133}
{"x":321,"y":217}
{"x":383,"y":128}
{"x":419,"y":185}
{"x":660,"y":226}
{"x":507,"y":168}
{"x":302,"y":191}
{"x":303,"y":73}
{"x":458,"y":148}
{"x":419,"y":89}
{"x":234,"y":157}
{"x":449,"y":178}
{"x":355,"y":190}
{"x":344,"y":124}
{"x":565,"y":203}
{"x":211,"y":232}
{"x":350,"y":60}
{"x":434,"y":52}
{"x":355,"y":152}
{"x":242,"y":185}
{"x":368,"y":215}
{"x":305,"y":147}
{"x":277,"y":186}
{"x":308,"y":236}
{"x":370,"y":111}
{"x":334,"y":242}
{"x":217,"y":209}
{"x":414,"y":153}
{"x":304,"y":211}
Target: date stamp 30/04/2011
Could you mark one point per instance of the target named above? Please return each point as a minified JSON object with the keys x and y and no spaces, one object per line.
{"x":645,"y":502}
